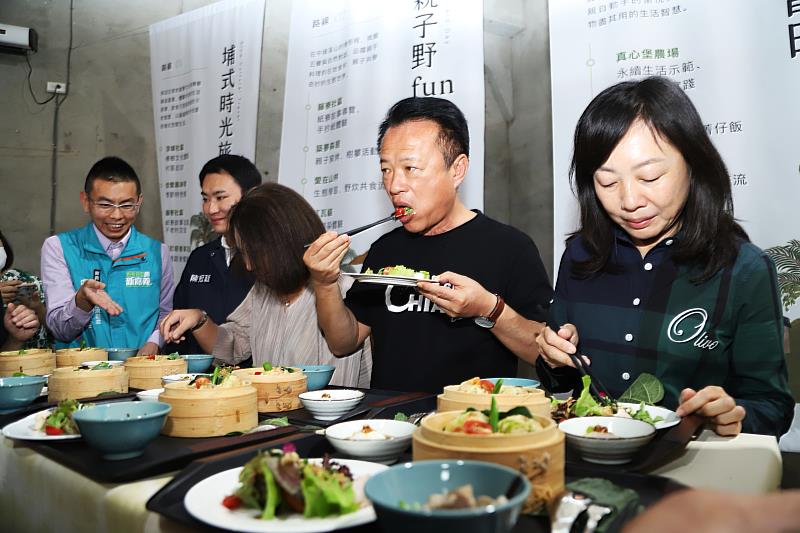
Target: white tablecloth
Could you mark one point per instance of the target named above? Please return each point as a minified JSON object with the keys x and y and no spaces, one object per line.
{"x":38,"y":494}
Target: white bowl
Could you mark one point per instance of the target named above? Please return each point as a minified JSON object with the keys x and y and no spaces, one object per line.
{"x":330,"y":404}
{"x":149,"y":395}
{"x":342,"y":436}
{"x":90,"y":364}
{"x":626,"y":437}
{"x":178,"y":378}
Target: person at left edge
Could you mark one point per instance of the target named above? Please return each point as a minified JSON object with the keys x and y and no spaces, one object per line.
{"x":209,"y":281}
{"x":106,"y":283}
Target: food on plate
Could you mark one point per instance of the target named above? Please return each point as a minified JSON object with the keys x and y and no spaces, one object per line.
{"x":400,"y":270}
{"x":326,"y":396}
{"x":490,"y":421}
{"x":588,"y":405}
{"x":279,"y":482}
{"x":58,"y":421}
{"x":101,"y":366}
{"x":368,"y":433}
{"x":477,"y":385}
{"x":462,"y":497}
{"x":170,"y":357}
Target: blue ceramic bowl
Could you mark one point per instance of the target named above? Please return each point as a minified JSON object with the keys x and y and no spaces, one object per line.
{"x":516,"y":382}
{"x":198,"y":363}
{"x":121,"y":430}
{"x":120,"y":354}
{"x":19,"y":391}
{"x":318,"y":375}
{"x":413,"y":483}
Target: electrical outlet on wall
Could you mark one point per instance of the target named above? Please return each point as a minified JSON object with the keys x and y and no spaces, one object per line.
{"x":58,"y":87}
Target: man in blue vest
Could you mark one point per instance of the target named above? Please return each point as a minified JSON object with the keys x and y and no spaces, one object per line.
{"x":107,"y":284}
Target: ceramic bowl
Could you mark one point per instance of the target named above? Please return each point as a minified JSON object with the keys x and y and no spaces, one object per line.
{"x":16,"y":392}
{"x":121,"y":430}
{"x":318,"y":375}
{"x":330,"y":404}
{"x":398,"y":493}
{"x":624,"y":438}
{"x":350,"y":439}
{"x":198,"y":363}
{"x":120,"y":354}
{"x":111,"y":363}
{"x":516,"y":382}
{"x":178,"y":378}
{"x":149,"y":395}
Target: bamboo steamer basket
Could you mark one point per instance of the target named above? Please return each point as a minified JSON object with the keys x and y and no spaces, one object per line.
{"x":453,"y":399}
{"x":276,"y":392}
{"x":36,"y":362}
{"x":209,"y":412}
{"x":75,"y":356}
{"x":147,"y":373}
{"x":72,"y":383}
{"x":538,"y":455}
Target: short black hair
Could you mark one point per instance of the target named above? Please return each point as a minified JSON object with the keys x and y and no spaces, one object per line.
{"x":9,"y":252}
{"x":238,"y":167}
{"x":453,"y":131}
{"x":111,"y":169}
{"x":710,"y":236}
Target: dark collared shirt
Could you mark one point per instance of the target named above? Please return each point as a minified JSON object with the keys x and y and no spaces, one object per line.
{"x":646,"y":315}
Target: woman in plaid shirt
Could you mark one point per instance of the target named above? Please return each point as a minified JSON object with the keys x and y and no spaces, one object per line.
{"x":660,"y":278}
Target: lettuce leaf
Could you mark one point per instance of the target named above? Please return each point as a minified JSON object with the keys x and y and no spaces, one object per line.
{"x":586,"y":404}
{"x":324,"y":495}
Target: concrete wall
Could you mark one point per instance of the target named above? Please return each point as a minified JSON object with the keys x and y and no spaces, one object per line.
{"x":109,"y":111}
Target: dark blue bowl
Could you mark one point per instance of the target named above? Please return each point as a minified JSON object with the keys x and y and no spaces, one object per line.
{"x":318,"y":375}
{"x":198,"y":363}
{"x":17,"y":392}
{"x":413,"y":483}
{"x":121,"y":354}
{"x":121,"y":430}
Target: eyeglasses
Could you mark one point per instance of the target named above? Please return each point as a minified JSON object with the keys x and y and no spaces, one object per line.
{"x":108,"y":207}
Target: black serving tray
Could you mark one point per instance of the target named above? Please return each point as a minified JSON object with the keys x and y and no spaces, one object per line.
{"x":169,"y":500}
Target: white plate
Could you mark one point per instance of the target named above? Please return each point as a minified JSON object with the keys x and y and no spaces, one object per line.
{"x":25,"y":429}
{"x":204,"y":502}
{"x":670,"y":418}
{"x":112,"y":364}
{"x":407,"y":281}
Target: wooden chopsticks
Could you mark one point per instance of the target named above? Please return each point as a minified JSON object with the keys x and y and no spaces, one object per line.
{"x":596,"y":387}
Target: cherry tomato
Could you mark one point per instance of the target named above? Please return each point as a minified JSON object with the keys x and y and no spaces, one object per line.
{"x":199,"y":382}
{"x":232,"y":502}
{"x":477,"y":427}
{"x":52,"y":430}
{"x":487,"y":385}
{"x":153,"y":357}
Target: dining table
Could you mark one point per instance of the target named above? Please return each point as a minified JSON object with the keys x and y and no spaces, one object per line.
{"x":67,"y":487}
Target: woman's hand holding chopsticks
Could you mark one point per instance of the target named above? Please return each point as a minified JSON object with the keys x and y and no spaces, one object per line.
{"x":558,"y":347}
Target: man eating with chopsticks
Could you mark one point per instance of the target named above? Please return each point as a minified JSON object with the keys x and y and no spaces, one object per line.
{"x":481,"y":315}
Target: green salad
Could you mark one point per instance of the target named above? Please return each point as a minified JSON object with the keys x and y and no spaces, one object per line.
{"x":279,"y":482}
{"x":645,"y":390}
{"x":400,"y":270}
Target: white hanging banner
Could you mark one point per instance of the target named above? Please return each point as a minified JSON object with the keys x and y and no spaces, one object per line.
{"x":349,"y":61}
{"x":738,"y":60}
{"x":205,"y":67}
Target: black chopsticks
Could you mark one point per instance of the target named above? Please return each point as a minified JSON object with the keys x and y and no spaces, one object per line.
{"x":596,"y":387}
{"x":365,"y":227}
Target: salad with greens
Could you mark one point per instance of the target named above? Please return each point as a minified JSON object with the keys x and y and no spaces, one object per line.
{"x":645,"y":390}
{"x":58,"y":421}
{"x":279,"y":482}
{"x":400,"y":270}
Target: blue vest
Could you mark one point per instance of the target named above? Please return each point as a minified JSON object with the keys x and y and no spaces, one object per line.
{"x":133,"y":280}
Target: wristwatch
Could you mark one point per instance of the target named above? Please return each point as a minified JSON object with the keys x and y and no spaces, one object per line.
{"x":202,"y":322}
{"x":489,"y":321}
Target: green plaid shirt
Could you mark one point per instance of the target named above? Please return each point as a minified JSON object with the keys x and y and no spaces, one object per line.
{"x":646,"y":316}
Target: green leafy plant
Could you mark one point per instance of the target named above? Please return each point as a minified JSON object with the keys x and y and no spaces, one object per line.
{"x":645,"y":389}
{"x":787,"y":261}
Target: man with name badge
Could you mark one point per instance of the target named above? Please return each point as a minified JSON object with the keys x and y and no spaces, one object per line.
{"x":107,"y":285}
{"x":474,"y":323}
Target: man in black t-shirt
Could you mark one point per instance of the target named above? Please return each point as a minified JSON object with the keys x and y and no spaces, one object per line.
{"x":420,"y":341}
